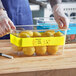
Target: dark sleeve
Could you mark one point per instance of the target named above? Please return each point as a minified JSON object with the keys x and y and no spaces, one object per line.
{"x":1,"y":5}
{"x":54,"y":2}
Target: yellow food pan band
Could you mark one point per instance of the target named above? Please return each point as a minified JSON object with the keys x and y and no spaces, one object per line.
{"x":37,"y":41}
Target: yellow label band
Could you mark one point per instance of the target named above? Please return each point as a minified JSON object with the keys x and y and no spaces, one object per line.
{"x":15,"y":40}
{"x":38,"y":41}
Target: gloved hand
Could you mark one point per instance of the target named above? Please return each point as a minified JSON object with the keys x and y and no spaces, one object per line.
{"x":6,"y":25}
{"x":60,"y":17}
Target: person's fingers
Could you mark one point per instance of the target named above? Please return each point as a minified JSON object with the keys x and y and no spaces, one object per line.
{"x":59,"y":22}
{"x":6,"y":25}
{"x":11,"y":25}
{"x":4,"y":29}
{"x":7,"y":28}
{"x":1,"y":30}
{"x":64,"y":22}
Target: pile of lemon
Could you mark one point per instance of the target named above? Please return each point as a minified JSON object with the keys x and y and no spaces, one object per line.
{"x":38,"y":50}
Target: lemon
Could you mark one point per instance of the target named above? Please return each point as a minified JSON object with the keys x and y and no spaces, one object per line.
{"x":30,"y":33}
{"x":36,"y":34}
{"x":41,"y":50}
{"x":52,"y":31}
{"x":28,"y":51}
{"x":16,"y":48}
{"x":57,"y":34}
{"x":47,"y":34}
{"x":24,"y":35}
{"x":52,"y":49}
{"x":16,"y":34}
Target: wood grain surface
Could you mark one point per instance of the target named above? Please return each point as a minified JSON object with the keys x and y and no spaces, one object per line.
{"x":56,"y":65}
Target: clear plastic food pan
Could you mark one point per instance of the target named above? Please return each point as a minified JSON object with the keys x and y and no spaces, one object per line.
{"x":30,"y":40}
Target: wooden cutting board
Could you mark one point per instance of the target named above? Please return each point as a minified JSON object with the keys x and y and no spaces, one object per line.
{"x":56,"y":65}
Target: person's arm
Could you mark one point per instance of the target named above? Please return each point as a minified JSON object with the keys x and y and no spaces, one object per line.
{"x":5,"y":23}
{"x":54,"y":2}
{"x":60,"y":17}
